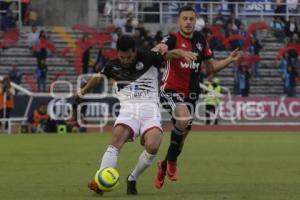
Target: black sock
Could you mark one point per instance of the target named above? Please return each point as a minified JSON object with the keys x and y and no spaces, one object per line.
{"x":175,"y":145}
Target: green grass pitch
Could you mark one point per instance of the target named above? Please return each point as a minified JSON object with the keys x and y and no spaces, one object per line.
{"x":213,"y":166}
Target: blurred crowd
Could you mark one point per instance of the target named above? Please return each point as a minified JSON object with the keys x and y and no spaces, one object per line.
{"x":9,"y":15}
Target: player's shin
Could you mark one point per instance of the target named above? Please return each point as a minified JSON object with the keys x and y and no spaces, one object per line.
{"x":175,"y":147}
{"x":110,"y":157}
{"x":143,"y":163}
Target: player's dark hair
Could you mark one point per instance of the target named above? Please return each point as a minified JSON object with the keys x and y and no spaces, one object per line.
{"x":186,"y":8}
{"x":125,"y":43}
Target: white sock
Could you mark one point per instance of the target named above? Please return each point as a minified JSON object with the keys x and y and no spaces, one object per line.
{"x":143,"y":163}
{"x":110,"y":157}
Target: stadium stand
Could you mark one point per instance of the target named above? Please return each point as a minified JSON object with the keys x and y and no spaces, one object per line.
{"x":268,"y":83}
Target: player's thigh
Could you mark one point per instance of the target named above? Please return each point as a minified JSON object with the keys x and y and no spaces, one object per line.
{"x":125,"y":129}
{"x":121,"y":134}
{"x":151,"y":133}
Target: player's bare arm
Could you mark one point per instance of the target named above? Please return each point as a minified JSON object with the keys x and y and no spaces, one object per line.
{"x":92,"y":83}
{"x":161,"y":48}
{"x":188,"y":56}
{"x":215,"y":66}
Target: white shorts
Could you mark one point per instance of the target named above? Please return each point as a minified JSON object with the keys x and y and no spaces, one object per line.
{"x":140,"y":117}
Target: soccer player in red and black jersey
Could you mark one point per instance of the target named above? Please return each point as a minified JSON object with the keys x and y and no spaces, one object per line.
{"x":180,"y":89}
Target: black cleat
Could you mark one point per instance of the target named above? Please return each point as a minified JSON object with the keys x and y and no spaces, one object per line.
{"x":131,"y":187}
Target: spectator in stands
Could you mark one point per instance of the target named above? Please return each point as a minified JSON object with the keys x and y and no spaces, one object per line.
{"x":277,"y":27}
{"x":120,"y":22}
{"x":41,"y":75}
{"x":219,"y":20}
{"x":7,"y":93}
{"x":236,"y":76}
{"x":284,"y":63}
{"x":42,"y":53}
{"x":138,"y":39}
{"x":201,"y":22}
{"x":8,"y":21}
{"x":244,"y":78}
{"x":289,"y":78}
{"x":230,"y":32}
{"x":33,"y":37}
{"x":15,"y":74}
{"x":291,"y":27}
{"x":31,"y":16}
{"x":254,"y":49}
{"x":115,"y":35}
{"x":49,"y":39}
{"x":128,"y":28}
{"x":243,"y":32}
{"x":85,"y":55}
{"x":24,"y":9}
{"x":215,"y":43}
{"x":39,"y":119}
{"x":140,"y":27}
{"x":233,"y":21}
{"x":295,"y":38}
{"x":293,"y":54}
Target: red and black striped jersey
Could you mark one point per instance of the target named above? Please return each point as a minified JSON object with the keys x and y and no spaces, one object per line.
{"x":179,"y":75}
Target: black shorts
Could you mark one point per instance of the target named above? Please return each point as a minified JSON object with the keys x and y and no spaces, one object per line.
{"x":169,"y":99}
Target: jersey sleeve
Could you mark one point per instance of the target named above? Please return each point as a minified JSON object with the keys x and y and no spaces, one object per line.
{"x":155,"y":58}
{"x":170,"y":41}
{"x":106,"y":70}
{"x":207,"y":52}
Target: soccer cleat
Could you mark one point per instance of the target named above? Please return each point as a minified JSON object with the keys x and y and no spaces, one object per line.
{"x":131,"y":187}
{"x":160,"y":177}
{"x":92,"y":185}
{"x":171,"y":170}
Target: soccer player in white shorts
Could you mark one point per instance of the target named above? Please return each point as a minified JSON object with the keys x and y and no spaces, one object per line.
{"x":136,"y":76}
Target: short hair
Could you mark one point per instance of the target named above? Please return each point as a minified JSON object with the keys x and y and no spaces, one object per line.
{"x":186,"y":8}
{"x":125,"y":43}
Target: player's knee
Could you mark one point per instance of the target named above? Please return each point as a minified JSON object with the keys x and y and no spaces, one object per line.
{"x":182,"y":124}
{"x":117,"y":142}
{"x":182,"y":117}
{"x":152,"y":147}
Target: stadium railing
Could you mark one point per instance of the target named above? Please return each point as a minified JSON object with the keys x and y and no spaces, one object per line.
{"x":166,"y":10}
{"x":17,"y":11}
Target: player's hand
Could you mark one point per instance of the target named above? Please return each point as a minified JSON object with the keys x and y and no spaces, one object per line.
{"x":188,"y":56}
{"x":235,"y":55}
{"x":78,"y":94}
{"x":161,"y":48}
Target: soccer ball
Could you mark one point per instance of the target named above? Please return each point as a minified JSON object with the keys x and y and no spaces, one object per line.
{"x":107,"y":179}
